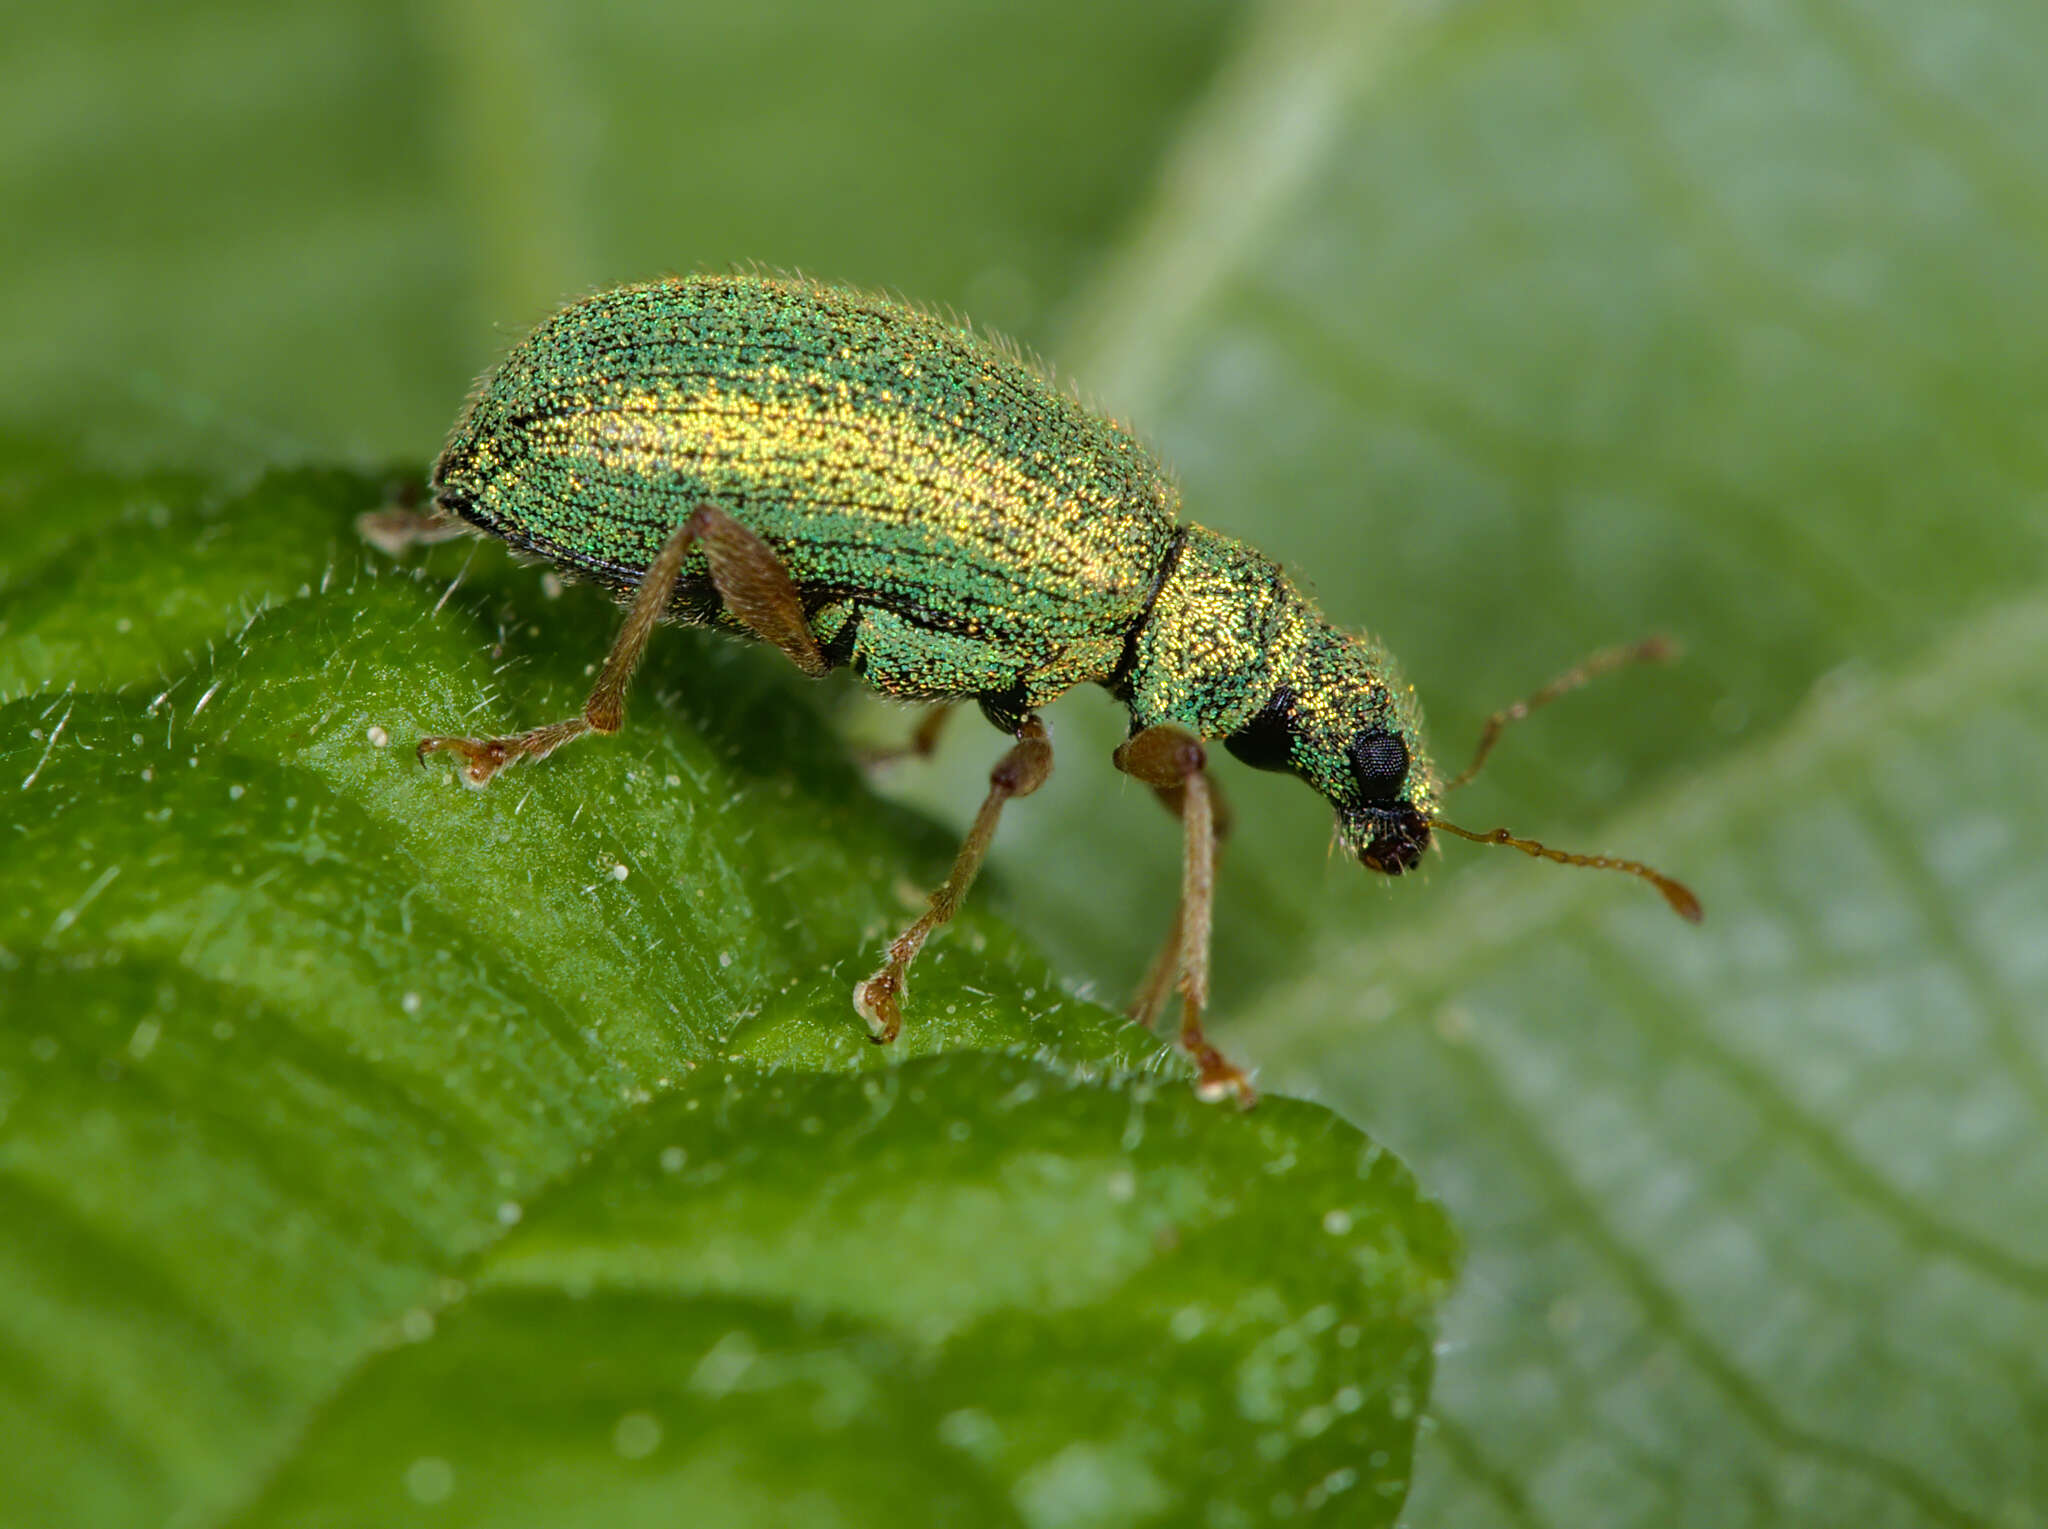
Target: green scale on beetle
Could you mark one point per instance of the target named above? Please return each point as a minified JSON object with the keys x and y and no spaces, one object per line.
{"x":865,"y":485}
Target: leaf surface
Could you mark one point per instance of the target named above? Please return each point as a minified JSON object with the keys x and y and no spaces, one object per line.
{"x":373,"y":1146}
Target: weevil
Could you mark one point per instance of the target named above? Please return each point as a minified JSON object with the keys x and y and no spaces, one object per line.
{"x":864,"y":485}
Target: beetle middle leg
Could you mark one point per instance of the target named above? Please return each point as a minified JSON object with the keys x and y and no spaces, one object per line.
{"x":1019,"y":772}
{"x":1173,"y":764}
{"x":923,"y":741}
{"x":750,"y":579}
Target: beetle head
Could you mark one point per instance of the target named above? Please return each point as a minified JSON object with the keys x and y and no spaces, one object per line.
{"x":1343,"y":720}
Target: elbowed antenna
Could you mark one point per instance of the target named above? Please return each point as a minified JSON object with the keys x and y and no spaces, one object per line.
{"x":1676,"y":893}
{"x":1651,"y":650}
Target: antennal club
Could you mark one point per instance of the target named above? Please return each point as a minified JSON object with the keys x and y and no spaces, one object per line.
{"x":1676,"y":893}
{"x":1652,"y":650}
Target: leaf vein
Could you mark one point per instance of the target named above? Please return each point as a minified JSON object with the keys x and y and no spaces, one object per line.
{"x":1663,"y":1307}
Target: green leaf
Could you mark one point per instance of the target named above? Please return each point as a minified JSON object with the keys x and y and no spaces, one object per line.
{"x":371,"y":1144}
{"x":858,"y":1298}
{"x":1519,"y":330}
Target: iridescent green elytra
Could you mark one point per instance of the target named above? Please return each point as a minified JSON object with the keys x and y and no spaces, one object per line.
{"x":866,"y":485}
{"x":955,"y":525}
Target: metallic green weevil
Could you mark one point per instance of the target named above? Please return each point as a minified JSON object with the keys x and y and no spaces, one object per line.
{"x":866,"y":486}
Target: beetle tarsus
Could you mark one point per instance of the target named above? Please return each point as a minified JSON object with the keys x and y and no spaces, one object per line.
{"x":483,"y":758}
{"x":878,"y":1000}
{"x":1216,"y":1079}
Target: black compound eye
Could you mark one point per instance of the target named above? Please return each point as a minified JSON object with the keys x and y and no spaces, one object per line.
{"x":1379,"y":762}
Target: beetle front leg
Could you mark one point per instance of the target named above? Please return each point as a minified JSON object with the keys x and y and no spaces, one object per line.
{"x":1018,"y":773}
{"x":1159,"y":977}
{"x":750,"y":579}
{"x":1173,"y":764}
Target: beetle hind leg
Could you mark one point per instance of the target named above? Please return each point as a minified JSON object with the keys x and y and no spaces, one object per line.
{"x":1019,"y":772}
{"x":750,"y":579}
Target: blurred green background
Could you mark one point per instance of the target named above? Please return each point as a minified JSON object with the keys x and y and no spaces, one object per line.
{"x":1516,"y":329}
{"x":309,"y":227}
